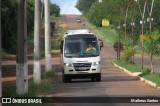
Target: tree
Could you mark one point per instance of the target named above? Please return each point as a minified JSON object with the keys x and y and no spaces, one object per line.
{"x":109,"y":9}
{"x":37,"y":66}
{"x":9,"y":23}
{"x":151,"y":45}
{"x":22,"y":66}
{"x":85,"y":5}
{"x":96,"y":13}
{"x":47,"y":37}
{"x":54,"y":9}
{"x":30,"y":15}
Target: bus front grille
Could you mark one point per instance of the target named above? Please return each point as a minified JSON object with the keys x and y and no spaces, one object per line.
{"x":82,"y":66}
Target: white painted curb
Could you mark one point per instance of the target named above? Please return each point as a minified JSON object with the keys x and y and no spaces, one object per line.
{"x":137,"y":74}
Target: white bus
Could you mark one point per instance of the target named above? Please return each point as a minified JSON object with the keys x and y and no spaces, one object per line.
{"x":80,"y":56}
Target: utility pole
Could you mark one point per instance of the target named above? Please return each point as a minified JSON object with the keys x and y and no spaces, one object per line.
{"x":37,"y":65}
{"x":48,"y":64}
{"x":0,"y":58}
{"x":22,"y":66}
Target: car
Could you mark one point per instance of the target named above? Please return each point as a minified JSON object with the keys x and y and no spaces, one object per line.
{"x":78,"y":20}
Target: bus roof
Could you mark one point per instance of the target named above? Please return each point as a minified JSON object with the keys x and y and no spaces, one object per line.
{"x":79,"y":31}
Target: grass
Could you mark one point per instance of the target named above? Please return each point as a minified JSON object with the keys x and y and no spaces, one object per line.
{"x":56,"y":42}
{"x":58,"y":34}
{"x":107,"y":34}
{"x":34,"y":89}
{"x":49,"y":74}
{"x":3,"y":53}
{"x":131,"y":66}
{"x":153,"y":77}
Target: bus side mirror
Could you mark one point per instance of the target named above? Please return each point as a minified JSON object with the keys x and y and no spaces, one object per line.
{"x":61,"y":47}
{"x":100,"y":43}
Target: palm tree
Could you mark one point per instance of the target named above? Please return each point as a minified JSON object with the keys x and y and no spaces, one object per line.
{"x":37,"y":66}
{"x":152,"y":46}
{"x":22,"y":66}
{"x":47,"y":37}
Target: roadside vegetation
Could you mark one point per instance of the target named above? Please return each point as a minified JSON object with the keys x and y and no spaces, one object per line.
{"x":34,"y":89}
{"x":47,"y":77}
{"x":109,"y":34}
{"x":121,"y":13}
{"x":9,"y":45}
{"x":60,"y":28}
{"x":145,"y":73}
{"x":9,"y":22}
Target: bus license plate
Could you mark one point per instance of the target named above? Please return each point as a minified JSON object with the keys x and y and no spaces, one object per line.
{"x":82,"y":68}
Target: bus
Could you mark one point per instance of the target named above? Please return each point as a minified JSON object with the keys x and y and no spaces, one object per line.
{"x":80,"y":56}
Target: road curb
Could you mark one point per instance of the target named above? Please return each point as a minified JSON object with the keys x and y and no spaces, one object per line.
{"x":137,"y":74}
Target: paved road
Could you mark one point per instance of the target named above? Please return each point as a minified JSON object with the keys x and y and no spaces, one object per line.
{"x":115,"y":83}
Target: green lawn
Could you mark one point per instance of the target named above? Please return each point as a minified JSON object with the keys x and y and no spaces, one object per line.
{"x":155,"y":78}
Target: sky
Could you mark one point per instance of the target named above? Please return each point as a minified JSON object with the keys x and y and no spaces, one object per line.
{"x":67,"y":6}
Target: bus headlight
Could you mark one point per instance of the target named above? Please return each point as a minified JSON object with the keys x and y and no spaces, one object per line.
{"x":67,"y":64}
{"x":96,"y":63}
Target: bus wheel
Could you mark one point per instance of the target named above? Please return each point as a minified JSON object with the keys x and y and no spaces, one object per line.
{"x":92,"y":79}
{"x":98,"y":78}
{"x":66,"y":79}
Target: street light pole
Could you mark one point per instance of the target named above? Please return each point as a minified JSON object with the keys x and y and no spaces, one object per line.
{"x":150,"y":19}
{"x":142,"y":22}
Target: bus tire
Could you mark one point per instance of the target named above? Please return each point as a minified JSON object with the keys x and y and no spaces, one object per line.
{"x":98,"y":78}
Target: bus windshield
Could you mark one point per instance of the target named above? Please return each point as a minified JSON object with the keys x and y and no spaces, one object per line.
{"x":81,"y":45}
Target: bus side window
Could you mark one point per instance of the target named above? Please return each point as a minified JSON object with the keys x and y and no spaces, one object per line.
{"x":61,"y":47}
